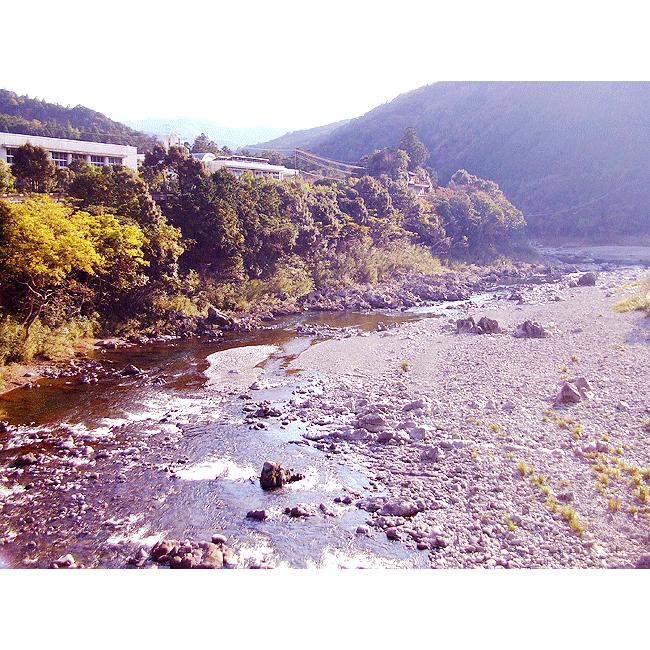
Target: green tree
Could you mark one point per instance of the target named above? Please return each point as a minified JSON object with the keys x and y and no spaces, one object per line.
{"x":45,"y":244}
{"x":33,"y":169}
{"x":209,"y":223}
{"x":203,"y":144}
{"x":389,"y":161}
{"x":6,"y":178}
{"x":415,"y":148}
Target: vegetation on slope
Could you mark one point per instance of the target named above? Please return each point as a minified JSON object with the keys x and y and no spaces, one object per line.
{"x":573,"y":155}
{"x":109,"y":258}
{"x":22,"y":114}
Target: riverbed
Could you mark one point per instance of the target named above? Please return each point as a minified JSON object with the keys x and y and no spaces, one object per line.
{"x":176,"y":450}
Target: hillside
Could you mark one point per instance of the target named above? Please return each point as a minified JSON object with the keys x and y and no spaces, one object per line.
{"x":305,"y":138}
{"x":22,"y":114}
{"x":573,"y":155}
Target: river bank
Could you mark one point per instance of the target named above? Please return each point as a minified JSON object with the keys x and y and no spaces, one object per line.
{"x":175,"y":450}
{"x":483,"y":466}
{"x":410,"y":291}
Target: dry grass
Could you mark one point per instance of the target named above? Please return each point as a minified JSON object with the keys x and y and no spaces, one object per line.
{"x":640,"y":300}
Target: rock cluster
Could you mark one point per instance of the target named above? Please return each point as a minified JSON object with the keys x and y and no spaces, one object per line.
{"x":484,"y":326}
{"x":192,"y":555}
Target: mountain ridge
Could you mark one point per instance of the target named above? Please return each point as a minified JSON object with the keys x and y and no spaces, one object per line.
{"x":553,"y":147}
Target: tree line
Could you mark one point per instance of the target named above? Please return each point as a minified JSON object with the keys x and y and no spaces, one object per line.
{"x":110,"y":255}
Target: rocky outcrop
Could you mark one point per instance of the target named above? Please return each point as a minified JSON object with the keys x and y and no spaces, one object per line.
{"x":218,"y":318}
{"x":530,"y":330}
{"x":275,"y":476}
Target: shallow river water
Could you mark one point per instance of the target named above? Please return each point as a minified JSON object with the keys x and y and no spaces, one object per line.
{"x":181,"y":462}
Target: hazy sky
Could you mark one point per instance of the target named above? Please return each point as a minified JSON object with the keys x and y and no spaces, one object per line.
{"x":297,"y":64}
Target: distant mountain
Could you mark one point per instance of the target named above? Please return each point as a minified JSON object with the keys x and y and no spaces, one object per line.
{"x":189,"y":127}
{"x":575,"y":156}
{"x":306,"y":138}
{"x":22,"y":114}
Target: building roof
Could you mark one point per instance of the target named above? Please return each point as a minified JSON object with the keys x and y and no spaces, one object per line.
{"x":16,"y":139}
{"x":243,"y":164}
{"x":205,"y":156}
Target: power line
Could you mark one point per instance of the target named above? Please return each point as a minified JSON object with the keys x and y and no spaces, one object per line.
{"x":329,"y":160}
{"x":580,"y":205}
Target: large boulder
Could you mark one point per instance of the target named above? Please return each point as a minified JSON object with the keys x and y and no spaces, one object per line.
{"x":487,"y":326}
{"x":372,"y":422}
{"x":568,"y":394}
{"x":216,"y":317}
{"x":530,"y":330}
{"x":587,"y":280}
{"x":465,"y":326}
{"x":400,"y":508}
{"x":574,"y":391}
{"x":275,"y":476}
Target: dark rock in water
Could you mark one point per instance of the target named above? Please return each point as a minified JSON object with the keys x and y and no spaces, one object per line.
{"x":259,"y":515}
{"x":25,"y":460}
{"x":130,"y":370}
{"x":587,"y":280}
{"x":4,"y":426}
{"x":267,"y":411}
{"x":274,"y":476}
{"x":530,"y":330}
{"x":301,"y":510}
{"x":216,"y":317}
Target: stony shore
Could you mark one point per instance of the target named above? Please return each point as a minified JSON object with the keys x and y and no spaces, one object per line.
{"x":482,"y":466}
{"x":469,"y":460}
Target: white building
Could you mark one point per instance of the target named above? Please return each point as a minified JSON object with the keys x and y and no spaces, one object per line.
{"x":238,"y":165}
{"x":63,"y":152}
{"x":421,"y":186}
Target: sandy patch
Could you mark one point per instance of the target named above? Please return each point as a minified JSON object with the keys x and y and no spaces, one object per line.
{"x":237,"y":367}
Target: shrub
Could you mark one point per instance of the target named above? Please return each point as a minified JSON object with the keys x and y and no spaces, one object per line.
{"x":43,"y":341}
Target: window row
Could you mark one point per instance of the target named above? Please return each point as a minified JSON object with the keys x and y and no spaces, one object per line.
{"x":63,"y":159}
